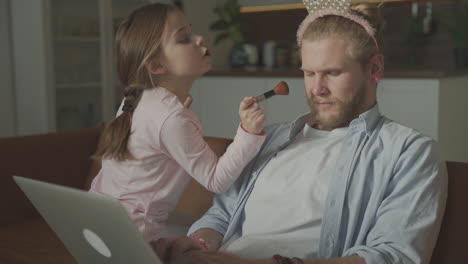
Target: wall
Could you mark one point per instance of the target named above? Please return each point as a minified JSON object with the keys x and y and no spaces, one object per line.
{"x":454,"y":119}
{"x":30,"y":56}
{"x":411,"y":102}
{"x":201,"y":15}
{"x":7,"y":98}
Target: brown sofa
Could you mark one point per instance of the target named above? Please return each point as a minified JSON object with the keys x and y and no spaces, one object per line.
{"x":64,"y":158}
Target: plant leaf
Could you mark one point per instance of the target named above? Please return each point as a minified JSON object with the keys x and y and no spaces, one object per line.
{"x":219,"y":25}
{"x":220,"y":37}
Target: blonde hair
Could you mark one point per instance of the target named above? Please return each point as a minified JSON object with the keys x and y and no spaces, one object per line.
{"x":138,"y":40}
{"x":363,"y":46}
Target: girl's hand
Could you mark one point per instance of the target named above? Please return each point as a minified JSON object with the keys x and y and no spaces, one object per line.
{"x":251,"y":115}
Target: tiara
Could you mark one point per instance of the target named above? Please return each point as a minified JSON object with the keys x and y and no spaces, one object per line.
{"x":320,"y":8}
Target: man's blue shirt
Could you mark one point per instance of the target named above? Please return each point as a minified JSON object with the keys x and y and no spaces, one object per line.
{"x":386,"y":196}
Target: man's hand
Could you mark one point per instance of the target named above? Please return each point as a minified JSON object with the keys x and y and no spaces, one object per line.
{"x":169,"y":248}
{"x":251,"y":115}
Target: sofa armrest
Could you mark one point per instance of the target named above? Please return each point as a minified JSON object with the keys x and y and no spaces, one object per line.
{"x":451,"y":246}
{"x":62,"y":158}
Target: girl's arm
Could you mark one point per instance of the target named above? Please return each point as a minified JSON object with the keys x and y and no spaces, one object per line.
{"x":182,"y":139}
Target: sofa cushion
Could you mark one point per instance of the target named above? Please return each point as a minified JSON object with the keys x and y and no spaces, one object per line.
{"x":61,"y":158}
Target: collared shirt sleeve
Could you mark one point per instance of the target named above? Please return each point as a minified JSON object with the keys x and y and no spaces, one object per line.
{"x":182,"y":139}
{"x":408,"y":220}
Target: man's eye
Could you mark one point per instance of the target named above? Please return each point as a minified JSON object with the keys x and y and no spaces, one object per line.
{"x":334,"y":73}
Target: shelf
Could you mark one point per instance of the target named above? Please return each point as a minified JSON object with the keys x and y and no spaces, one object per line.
{"x":291,"y":6}
{"x":78,"y":39}
{"x":296,"y":72}
{"x":77,"y":86}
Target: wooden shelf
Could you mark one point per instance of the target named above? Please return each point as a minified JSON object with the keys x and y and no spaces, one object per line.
{"x":280,"y":7}
{"x":389,"y":73}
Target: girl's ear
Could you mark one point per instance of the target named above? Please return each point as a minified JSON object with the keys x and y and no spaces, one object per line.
{"x":155,"y":68}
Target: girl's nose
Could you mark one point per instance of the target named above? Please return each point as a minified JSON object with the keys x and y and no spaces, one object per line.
{"x":200,"y":40}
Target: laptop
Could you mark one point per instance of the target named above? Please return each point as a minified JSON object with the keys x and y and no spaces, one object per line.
{"x":94,"y":228}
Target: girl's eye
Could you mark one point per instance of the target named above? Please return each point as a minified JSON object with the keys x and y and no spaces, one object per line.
{"x":185,"y":39}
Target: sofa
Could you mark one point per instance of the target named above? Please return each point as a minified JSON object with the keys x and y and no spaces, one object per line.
{"x":64,"y":158}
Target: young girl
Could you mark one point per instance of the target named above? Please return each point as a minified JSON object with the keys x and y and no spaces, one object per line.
{"x":155,"y":145}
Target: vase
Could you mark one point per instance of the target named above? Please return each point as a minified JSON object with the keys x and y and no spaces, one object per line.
{"x":238,"y":56}
{"x":461,"y":57}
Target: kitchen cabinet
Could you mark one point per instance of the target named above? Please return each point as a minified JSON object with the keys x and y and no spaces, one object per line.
{"x":64,"y":66}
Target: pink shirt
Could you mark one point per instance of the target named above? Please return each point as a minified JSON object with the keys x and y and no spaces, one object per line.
{"x":167,"y":141}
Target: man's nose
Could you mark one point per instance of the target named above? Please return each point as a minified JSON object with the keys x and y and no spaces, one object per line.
{"x":319,"y":87}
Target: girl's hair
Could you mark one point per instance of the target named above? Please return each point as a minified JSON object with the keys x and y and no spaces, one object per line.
{"x":137,"y":41}
{"x":362,"y":45}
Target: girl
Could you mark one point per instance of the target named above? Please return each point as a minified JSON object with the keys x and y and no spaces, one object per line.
{"x":153,"y":146}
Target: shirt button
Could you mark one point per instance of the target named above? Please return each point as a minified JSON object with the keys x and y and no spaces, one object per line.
{"x":332,"y":203}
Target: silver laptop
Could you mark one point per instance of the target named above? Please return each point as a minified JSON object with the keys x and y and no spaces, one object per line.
{"x":94,"y":228}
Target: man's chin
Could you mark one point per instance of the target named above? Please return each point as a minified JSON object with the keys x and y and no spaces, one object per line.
{"x":328,"y":122}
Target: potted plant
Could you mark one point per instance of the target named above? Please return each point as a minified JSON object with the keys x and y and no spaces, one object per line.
{"x":456,"y":21}
{"x":229,"y":26}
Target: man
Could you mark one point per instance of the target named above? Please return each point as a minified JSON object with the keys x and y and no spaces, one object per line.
{"x":342,"y":184}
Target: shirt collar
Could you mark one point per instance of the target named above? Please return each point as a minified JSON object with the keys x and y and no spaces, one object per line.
{"x":366,"y":121}
{"x":298,"y":124}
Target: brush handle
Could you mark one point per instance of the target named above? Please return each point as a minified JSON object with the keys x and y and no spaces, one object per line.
{"x":260,"y":98}
{"x":265,"y":96}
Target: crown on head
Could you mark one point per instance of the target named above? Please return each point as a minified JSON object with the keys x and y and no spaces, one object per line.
{"x":320,"y":8}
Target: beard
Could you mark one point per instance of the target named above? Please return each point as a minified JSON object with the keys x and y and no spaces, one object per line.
{"x":342,"y":112}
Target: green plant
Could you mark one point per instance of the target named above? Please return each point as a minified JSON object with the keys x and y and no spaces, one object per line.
{"x":228,"y":23}
{"x":456,"y":21}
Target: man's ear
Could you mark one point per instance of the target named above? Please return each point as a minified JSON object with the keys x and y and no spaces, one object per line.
{"x":155,"y":68}
{"x":377,"y":66}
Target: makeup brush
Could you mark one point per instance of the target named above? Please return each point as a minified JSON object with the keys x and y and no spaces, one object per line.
{"x":280,"y":89}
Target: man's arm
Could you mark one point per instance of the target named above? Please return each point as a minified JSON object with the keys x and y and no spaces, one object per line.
{"x":407,"y":222}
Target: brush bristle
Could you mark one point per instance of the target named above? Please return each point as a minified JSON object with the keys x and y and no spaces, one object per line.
{"x":281,"y":88}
